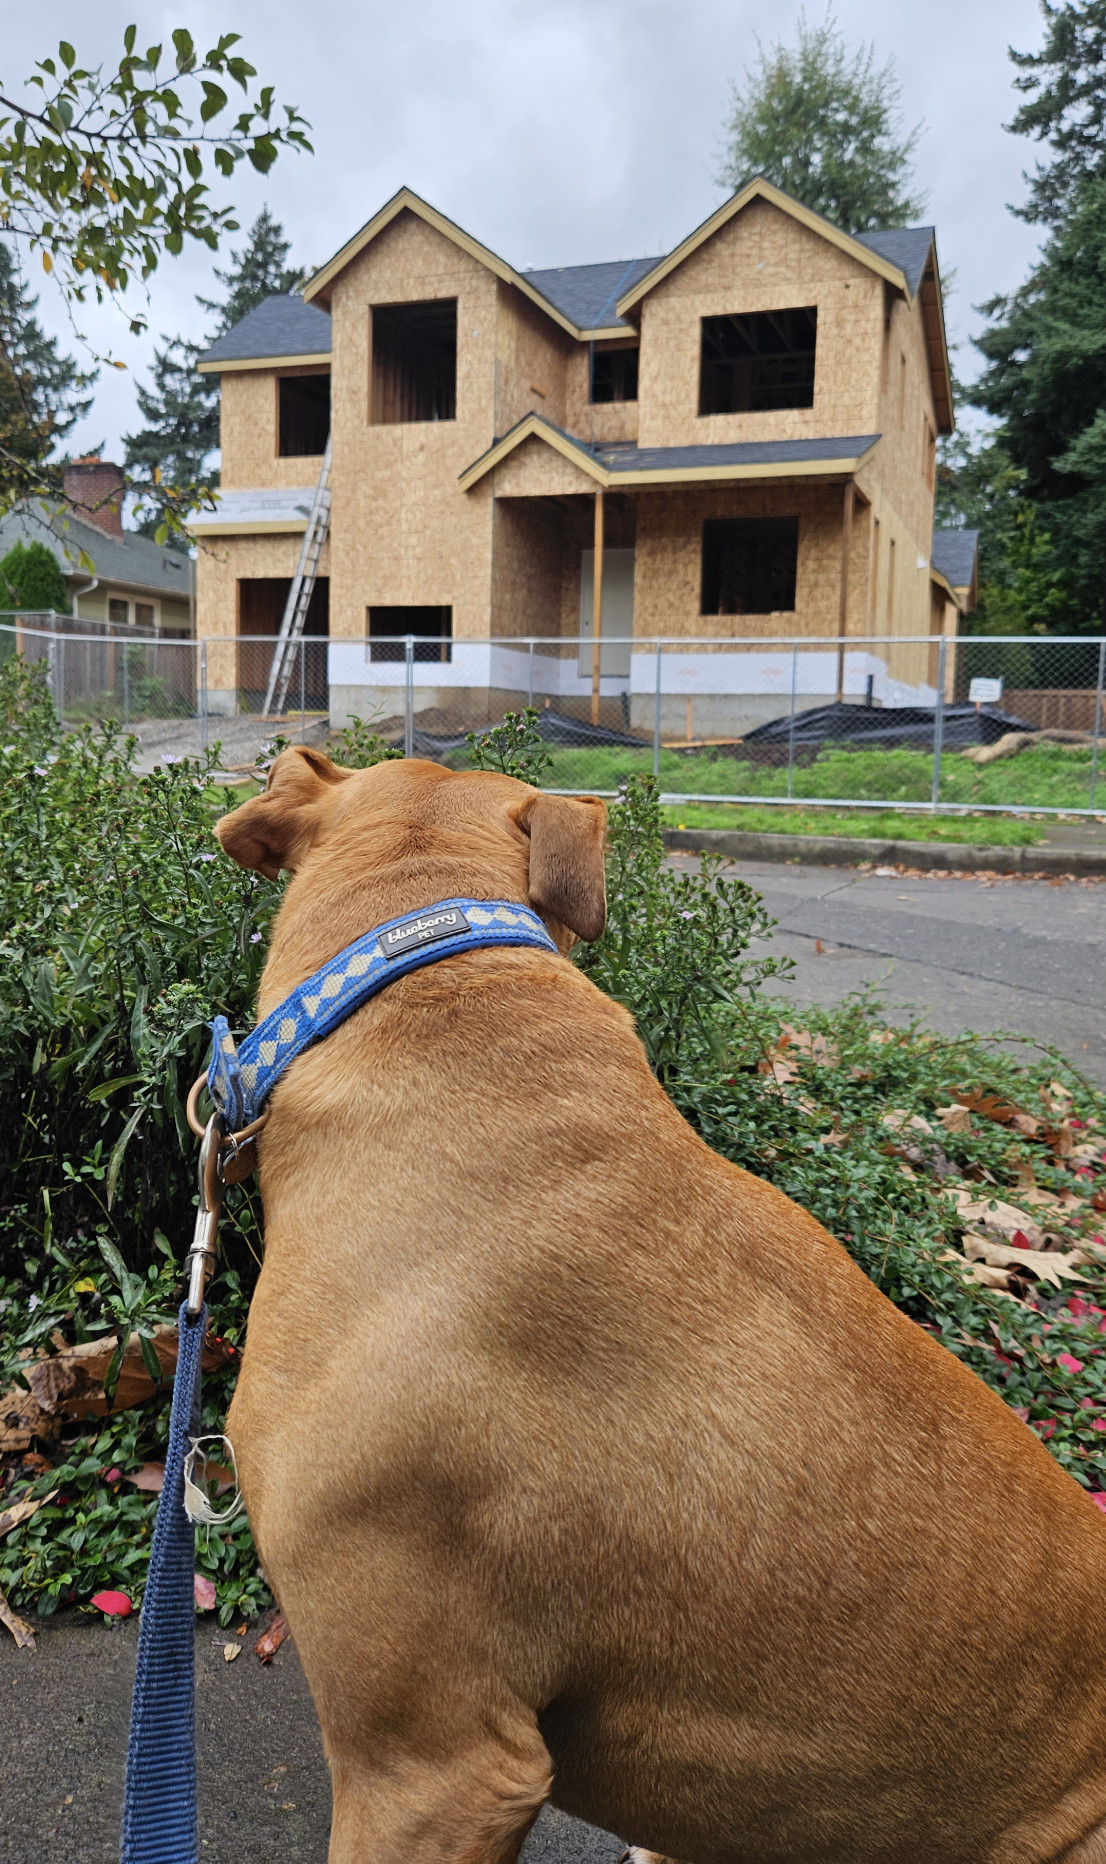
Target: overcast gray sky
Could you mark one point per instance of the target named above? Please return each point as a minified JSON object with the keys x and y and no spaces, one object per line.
{"x":556,"y":131}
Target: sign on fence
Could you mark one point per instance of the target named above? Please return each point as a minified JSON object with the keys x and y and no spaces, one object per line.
{"x":985,"y":692}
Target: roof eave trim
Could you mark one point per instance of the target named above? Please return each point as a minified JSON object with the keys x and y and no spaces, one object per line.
{"x":533,"y":426}
{"x":759,"y":188}
{"x":314,"y":357}
{"x":316,"y":287}
{"x":252,"y":527}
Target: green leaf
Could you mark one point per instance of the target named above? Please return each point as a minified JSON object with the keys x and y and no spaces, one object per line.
{"x":115,"y":1366}
{"x":214,"y":101}
{"x":150,"y":1359}
{"x":110,"y":1087}
{"x":68,"y":55}
{"x":113,"y":1259}
{"x":120,"y":1147}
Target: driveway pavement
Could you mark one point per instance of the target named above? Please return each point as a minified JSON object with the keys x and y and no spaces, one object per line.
{"x":980,"y":954}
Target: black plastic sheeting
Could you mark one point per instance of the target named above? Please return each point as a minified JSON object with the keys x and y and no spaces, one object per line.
{"x":906,"y":727}
{"x":552,"y":727}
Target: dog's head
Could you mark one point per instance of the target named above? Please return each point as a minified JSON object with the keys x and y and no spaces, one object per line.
{"x":416,"y":823}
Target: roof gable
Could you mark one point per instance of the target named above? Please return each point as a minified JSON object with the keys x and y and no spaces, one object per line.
{"x":760,"y":189}
{"x":588,"y":293}
{"x":318,"y":289}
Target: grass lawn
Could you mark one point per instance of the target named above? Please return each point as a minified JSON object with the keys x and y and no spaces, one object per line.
{"x":1045,"y":777}
{"x":883,"y":825}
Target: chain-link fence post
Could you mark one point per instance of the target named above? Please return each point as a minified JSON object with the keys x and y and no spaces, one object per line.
{"x":203,"y":696}
{"x":52,"y":677}
{"x":939,"y":723}
{"x":791,"y":721}
{"x":303,"y":686}
{"x":126,"y":685}
{"x":409,"y":696}
{"x":657,"y":716}
{"x":1097,"y":719}
{"x":530,"y":678}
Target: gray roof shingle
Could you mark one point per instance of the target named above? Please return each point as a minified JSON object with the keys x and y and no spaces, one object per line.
{"x":587,"y":294}
{"x":954,"y":554}
{"x":906,"y":247}
{"x":280,"y":326}
{"x":128,"y":561}
{"x":623,"y":456}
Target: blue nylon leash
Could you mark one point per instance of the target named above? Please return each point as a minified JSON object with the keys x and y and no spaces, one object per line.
{"x":159,"y":1806}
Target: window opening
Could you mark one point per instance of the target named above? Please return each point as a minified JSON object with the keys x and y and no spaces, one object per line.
{"x":756,"y":361}
{"x":414,"y":349}
{"x":144,"y":615}
{"x":435,"y":620}
{"x":614,"y":375}
{"x":304,"y":414}
{"x":749,"y":565}
{"x":118,"y":609}
{"x":261,"y":605}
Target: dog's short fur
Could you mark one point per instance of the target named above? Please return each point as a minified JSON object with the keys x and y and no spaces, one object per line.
{"x":587,"y":1466}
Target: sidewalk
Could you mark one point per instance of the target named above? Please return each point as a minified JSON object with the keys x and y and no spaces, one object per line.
{"x":264,"y":1788}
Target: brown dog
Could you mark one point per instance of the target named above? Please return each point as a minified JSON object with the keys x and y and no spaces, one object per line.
{"x":587,"y":1466}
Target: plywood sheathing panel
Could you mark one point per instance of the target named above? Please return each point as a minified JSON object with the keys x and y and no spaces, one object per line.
{"x":762,"y":260}
{"x":402,"y":531}
{"x":248,"y":433}
{"x":668,"y":563}
{"x":220,"y":563}
{"x":530,"y":362}
{"x":536,"y":470}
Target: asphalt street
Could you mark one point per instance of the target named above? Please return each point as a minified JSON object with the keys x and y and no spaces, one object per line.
{"x":985,"y":955}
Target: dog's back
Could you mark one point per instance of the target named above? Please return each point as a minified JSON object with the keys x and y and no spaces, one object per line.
{"x":583,"y":1461}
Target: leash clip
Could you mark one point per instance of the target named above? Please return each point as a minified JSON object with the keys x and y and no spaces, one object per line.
{"x":206,"y":1235}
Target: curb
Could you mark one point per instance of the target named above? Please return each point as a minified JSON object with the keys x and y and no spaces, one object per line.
{"x":845,"y":851}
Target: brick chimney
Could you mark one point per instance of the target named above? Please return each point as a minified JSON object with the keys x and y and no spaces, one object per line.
{"x":95,"y":489}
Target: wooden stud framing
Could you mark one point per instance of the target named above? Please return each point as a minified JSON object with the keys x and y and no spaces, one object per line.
{"x":597,"y":607}
{"x":843,"y":597}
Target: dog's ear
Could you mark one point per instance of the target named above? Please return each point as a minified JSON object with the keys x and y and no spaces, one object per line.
{"x":567,"y":878}
{"x":276,"y":829}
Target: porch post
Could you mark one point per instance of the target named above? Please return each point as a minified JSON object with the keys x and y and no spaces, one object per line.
{"x":597,"y":607}
{"x":843,"y":597}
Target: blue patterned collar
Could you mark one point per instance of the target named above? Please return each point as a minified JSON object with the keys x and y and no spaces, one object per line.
{"x":241,"y":1080}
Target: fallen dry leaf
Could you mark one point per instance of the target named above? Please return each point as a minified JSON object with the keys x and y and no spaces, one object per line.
{"x":782,"y":1072}
{"x":955,"y":1119}
{"x":70,"y":1384}
{"x":19,"y":1628}
{"x":271,"y":1636}
{"x":22,"y":1511}
{"x":230,"y":1652}
{"x":993,"y":1214}
{"x":994,"y":1107}
{"x":898,"y":1121}
{"x":151,"y":1477}
{"x":1050,"y":1266}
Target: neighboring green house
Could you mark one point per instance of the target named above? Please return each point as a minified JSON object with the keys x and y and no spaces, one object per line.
{"x":134,"y":583}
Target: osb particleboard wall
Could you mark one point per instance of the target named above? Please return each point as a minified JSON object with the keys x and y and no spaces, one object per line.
{"x":531,"y":353}
{"x":761,"y":260}
{"x":220,"y":563}
{"x":598,"y":420}
{"x":249,"y":433}
{"x":668,"y":567}
{"x":402,"y":531}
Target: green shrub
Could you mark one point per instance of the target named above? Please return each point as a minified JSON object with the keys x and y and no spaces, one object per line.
{"x":31,"y":578}
{"x":126,"y":931}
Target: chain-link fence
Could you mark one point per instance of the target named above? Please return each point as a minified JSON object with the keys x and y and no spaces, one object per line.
{"x":977,"y":723}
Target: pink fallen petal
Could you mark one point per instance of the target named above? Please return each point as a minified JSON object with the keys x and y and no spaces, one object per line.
{"x":1069,"y":1362}
{"x":1099,"y":1502}
{"x":113,"y":1475}
{"x":203,"y":1591}
{"x":113,"y":1604}
{"x":1044,"y":1427}
{"x":1099,"y":1423}
{"x":1019,"y":1240}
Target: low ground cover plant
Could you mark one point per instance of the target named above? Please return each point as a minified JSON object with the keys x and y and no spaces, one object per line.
{"x":997,"y":831}
{"x":968,"y":1181}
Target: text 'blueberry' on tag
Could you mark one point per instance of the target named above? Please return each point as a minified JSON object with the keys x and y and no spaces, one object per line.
{"x":423,"y":930}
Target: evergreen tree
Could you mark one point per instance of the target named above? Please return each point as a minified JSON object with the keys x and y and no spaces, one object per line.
{"x":1045,"y":381}
{"x":180,"y":408}
{"x":31,"y":578}
{"x":824,"y":123}
{"x":1065,"y":85}
{"x":42,"y":392}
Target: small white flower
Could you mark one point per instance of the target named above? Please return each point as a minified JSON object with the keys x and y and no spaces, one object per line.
{"x":40,"y":770}
{"x":205,"y":857}
{"x":255,"y":938}
{"x":33,"y":1302}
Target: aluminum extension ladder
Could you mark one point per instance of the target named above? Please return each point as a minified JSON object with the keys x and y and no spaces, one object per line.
{"x":299,"y":595}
